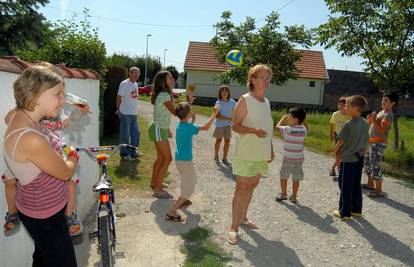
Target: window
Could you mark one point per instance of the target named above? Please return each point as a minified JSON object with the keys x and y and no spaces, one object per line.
{"x":312,"y":84}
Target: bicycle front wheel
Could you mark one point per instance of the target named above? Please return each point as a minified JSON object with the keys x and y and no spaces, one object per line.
{"x":105,"y":241}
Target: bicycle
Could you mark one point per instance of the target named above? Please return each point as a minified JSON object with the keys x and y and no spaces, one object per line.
{"x":106,"y":220}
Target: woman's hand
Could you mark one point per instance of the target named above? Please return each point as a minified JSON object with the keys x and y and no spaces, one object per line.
{"x":260,"y":132}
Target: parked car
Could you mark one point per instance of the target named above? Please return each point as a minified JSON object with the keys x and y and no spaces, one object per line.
{"x":144,"y":90}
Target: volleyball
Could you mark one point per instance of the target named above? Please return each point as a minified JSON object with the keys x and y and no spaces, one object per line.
{"x":234,"y":57}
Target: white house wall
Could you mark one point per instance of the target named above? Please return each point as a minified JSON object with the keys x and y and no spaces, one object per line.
{"x":16,"y":250}
{"x":293,"y":91}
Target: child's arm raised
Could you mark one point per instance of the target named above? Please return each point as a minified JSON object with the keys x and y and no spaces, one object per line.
{"x":206,"y":126}
{"x":281,"y":121}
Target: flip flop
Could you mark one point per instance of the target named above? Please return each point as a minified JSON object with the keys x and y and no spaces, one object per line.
{"x":249,"y":225}
{"x":366,"y":186}
{"x":375,"y":194}
{"x":280,"y":197}
{"x":172,"y":218}
{"x":293,"y":199}
{"x":162,"y":194}
{"x":232,"y":238}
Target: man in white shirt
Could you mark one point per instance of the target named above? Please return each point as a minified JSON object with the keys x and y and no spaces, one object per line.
{"x":126,"y":103}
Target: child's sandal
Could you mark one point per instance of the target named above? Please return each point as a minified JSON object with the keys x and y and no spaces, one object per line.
{"x":11,"y":224}
{"x":293,"y":199}
{"x":74,"y":224}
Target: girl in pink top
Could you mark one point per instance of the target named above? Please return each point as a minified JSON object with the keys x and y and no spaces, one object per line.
{"x":34,"y":154}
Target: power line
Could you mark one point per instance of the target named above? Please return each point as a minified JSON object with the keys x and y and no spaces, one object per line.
{"x":277,"y":10}
{"x":134,"y":22}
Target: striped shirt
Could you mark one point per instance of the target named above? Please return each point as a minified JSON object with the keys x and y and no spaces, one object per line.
{"x":294,"y":137}
{"x":45,"y":195}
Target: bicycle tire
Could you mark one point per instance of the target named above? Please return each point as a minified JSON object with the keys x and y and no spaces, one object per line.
{"x":105,"y":241}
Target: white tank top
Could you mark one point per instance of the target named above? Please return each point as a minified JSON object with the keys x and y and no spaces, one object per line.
{"x":250,"y":146}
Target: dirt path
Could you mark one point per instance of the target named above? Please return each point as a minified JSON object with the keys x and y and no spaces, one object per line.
{"x":304,"y":234}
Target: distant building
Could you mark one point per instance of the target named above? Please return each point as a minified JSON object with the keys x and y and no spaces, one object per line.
{"x":307,"y":90}
{"x":345,"y":83}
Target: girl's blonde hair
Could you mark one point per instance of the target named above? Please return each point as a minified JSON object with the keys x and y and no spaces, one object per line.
{"x":33,"y":82}
{"x":254,"y":71}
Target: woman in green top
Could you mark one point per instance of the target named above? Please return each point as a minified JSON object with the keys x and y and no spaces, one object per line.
{"x":159,"y":130}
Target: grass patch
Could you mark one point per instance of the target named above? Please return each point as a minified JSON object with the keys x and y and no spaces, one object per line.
{"x":138,"y":172}
{"x":201,"y":250}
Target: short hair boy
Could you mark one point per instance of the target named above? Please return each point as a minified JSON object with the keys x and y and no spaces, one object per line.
{"x":350,"y":148}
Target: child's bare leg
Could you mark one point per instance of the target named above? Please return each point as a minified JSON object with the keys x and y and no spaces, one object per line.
{"x":378,"y":186}
{"x":370,"y":182}
{"x":283,"y":187}
{"x":295,"y":188}
{"x":226,"y":148}
{"x":71,"y":205}
{"x":10,"y":191}
{"x":173,"y":211}
{"x":217,"y":148}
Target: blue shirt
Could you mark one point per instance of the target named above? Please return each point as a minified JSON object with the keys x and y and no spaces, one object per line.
{"x":184,"y":140}
{"x":226,"y":108}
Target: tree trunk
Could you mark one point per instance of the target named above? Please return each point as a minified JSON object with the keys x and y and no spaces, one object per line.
{"x":395,"y":126}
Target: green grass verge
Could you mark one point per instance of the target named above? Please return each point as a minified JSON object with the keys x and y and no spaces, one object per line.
{"x":201,"y":250}
{"x":125,"y":173}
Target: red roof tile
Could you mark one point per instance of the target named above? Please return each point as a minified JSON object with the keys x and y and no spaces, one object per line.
{"x":200,"y":56}
{"x":16,"y":65}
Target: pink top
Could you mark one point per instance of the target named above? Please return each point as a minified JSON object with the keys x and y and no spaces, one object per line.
{"x":39,"y":195}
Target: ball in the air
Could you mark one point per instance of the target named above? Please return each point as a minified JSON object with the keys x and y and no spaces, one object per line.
{"x":234,"y":58}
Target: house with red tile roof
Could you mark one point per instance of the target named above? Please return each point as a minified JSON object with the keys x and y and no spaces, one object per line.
{"x":307,"y":90}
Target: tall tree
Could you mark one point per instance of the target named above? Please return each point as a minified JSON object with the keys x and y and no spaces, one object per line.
{"x":260,"y":45}
{"x":173,"y":70}
{"x":21,"y":26}
{"x":382,"y":33}
{"x":75,"y":44}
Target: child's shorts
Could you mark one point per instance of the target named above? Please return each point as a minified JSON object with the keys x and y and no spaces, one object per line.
{"x":157,"y":134}
{"x":188,"y":177}
{"x":222,"y":132}
{"x":249,"y":168}
{"x":294,"y":169}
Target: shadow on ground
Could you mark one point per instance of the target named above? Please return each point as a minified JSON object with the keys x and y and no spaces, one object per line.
{"x":383,"y":242}
{"x":160,"y":208}
{"x":307,"y":215}
{"x":268,"y":253}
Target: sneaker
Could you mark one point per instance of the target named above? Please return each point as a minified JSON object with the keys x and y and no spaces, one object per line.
{"x":338,"y":215}
{"x":138,"y":155}
{"x":332,"y":172}
{"x":128,"y":158}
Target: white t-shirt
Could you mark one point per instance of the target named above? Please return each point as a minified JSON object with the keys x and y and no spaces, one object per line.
{"x":129,"y":93}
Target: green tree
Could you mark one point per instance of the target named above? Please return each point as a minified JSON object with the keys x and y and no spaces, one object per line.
{"x":260,"y":45}
{"x":173,"y":70}
{"x":74,"y":44}
{"x":382,"y":33}
{"x":21,"y":26}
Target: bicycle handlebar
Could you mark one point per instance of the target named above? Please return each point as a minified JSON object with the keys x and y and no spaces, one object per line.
{"x":92,"y":151}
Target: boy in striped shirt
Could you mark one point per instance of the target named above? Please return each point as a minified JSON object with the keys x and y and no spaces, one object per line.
{"x":293,"y":134}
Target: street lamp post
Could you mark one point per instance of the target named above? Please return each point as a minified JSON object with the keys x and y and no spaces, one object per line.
{"x":164,"y":56}
{"x":146,"y":64}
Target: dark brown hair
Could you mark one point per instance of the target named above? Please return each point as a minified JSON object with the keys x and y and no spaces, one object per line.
{"x":160,"y":85}
{"x":298,"y":113}
{"x":222,"y":88}
{"x":342,"y":100}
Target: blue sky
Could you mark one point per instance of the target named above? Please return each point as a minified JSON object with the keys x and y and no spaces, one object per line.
{"x":123,"y":25}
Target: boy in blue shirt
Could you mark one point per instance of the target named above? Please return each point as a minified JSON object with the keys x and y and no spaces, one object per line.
{"x":184,"y":156}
